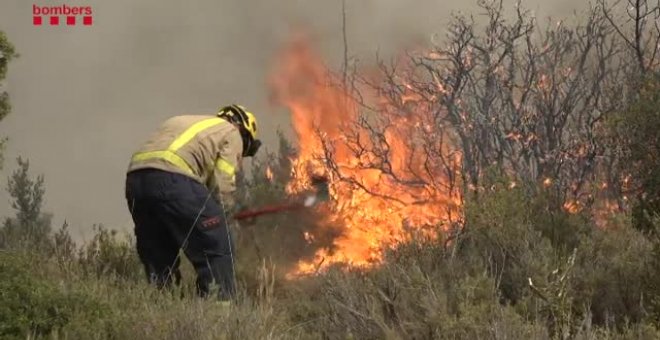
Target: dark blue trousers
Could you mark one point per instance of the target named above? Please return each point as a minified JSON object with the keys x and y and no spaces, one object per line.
{"x":169,"y":209}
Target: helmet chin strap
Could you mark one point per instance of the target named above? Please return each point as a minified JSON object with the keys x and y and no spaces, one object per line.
{"x":252,"y":149}
{"x":250,"y":145}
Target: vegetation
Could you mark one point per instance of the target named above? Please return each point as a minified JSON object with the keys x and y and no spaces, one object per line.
{"x":7,"y":53}
{"x":520,"y":264}
{"x":635,"y":136}
{"x":505,"y":277}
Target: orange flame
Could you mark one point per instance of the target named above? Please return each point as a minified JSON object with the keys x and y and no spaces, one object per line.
{"x":572,"y":206}
{"x":308,"y":237}
{"x":547,"y":182}
{"x":375,"y":207}
{"x":269,"y":174}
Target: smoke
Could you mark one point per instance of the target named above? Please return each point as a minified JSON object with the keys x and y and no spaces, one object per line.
{"x":85,"y":97}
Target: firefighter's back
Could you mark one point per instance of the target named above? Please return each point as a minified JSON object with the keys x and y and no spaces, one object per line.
{"x":184,"y":144}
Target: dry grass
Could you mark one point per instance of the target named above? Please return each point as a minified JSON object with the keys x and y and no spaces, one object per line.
{"x":476,"y":289}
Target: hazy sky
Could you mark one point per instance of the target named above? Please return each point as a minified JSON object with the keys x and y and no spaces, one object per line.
{"x":84,"y":97}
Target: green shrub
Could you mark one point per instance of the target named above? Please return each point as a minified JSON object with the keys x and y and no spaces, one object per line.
{"x":29,"y":228}
{"x":612,"y":274}
{"x":635,"y":139}
{"x":31,"y":305}
{"x":500,"y":232}
{"x":107,"y":255}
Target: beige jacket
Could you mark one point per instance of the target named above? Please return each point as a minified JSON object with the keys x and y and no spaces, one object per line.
{"x":206,"y":148}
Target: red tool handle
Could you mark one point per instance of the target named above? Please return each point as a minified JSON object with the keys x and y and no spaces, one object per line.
{"x":269,"y":209}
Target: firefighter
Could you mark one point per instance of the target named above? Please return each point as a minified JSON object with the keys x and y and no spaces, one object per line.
{"x":179,"y":188}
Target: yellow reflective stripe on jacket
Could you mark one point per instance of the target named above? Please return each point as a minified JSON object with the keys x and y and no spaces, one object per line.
{"x":192,"y":131}
{"x":225,"y":167}
{"x":170,"y":154}
{"x":167,"y":155}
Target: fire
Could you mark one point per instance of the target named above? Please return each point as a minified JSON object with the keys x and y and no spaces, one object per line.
{"x":409,"y":193}
{"x":547,"y":182}
{"x":572,"y":206}
{"x":269,"y":174}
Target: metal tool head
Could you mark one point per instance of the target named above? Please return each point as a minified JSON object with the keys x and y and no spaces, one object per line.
{"x":322,"y":187}
{"x":321,"y":191}
{"x":319,"y":194}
